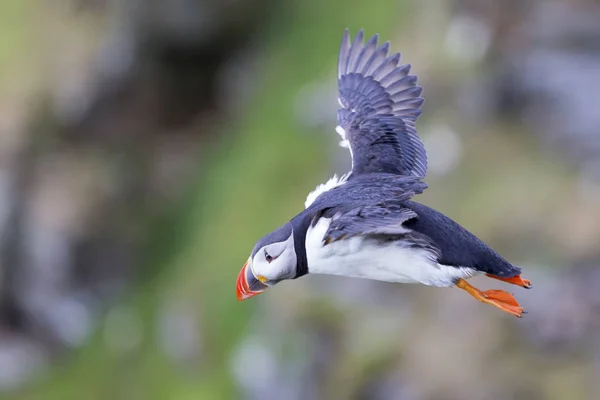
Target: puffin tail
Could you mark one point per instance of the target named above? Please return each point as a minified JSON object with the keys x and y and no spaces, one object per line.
{"x":513,"y":280}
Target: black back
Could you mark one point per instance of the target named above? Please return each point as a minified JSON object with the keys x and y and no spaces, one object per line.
{"x":458,"y":247}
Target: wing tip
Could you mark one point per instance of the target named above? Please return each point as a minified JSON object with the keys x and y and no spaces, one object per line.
{"x":374,"y":38}
{"x":346,"y":35}
{"x":344,"y":53}
{"x":360,"y":35}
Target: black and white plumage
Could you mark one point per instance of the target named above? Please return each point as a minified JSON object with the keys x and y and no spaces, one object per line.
{"x":365,"y":224}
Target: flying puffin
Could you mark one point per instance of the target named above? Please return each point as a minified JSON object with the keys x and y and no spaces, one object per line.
{"x":364,"y":224}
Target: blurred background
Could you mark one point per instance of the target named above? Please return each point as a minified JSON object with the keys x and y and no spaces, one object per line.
{"x":146,"y":145}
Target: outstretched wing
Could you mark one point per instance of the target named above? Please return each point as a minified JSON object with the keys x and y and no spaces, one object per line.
{"x":381,"y":103}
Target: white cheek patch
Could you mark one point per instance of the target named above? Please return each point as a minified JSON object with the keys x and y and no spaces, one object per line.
{"x":282,"y":266}
{"x":264,"y":271}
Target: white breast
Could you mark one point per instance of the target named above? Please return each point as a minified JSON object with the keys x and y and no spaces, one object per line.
{"x":363,"y":258}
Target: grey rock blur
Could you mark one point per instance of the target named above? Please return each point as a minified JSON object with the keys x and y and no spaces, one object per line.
{"x":111,"y":148}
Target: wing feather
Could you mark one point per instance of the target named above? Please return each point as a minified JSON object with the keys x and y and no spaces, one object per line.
{"x":380,"y":105}
{"x":369,"y":220}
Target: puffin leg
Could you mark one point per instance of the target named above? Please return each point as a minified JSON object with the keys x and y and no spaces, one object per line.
{"x":514,"y":280}
{"x":497,"y":298}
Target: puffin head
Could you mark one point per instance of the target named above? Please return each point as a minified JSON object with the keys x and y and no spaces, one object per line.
{"x":273,"y":259}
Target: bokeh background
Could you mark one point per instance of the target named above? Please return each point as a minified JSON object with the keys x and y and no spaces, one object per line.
{"x":146,"y":145}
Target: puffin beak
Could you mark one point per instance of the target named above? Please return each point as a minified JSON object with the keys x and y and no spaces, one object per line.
{"x":247,"y":284}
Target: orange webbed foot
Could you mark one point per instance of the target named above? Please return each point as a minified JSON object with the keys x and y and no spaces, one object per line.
{"x":514,"y":280}
{"x":504,"y":301}
{"x":497,"y":298}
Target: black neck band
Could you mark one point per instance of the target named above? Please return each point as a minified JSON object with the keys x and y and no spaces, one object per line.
{"x":300,"y":225}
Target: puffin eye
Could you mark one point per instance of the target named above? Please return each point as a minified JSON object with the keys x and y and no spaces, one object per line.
{"x":268,"y":257}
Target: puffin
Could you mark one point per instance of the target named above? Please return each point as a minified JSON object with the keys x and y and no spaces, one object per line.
{"x":364,"y":224}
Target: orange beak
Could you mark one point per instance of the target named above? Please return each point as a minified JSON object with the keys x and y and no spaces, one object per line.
{"x":247,"y":284}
